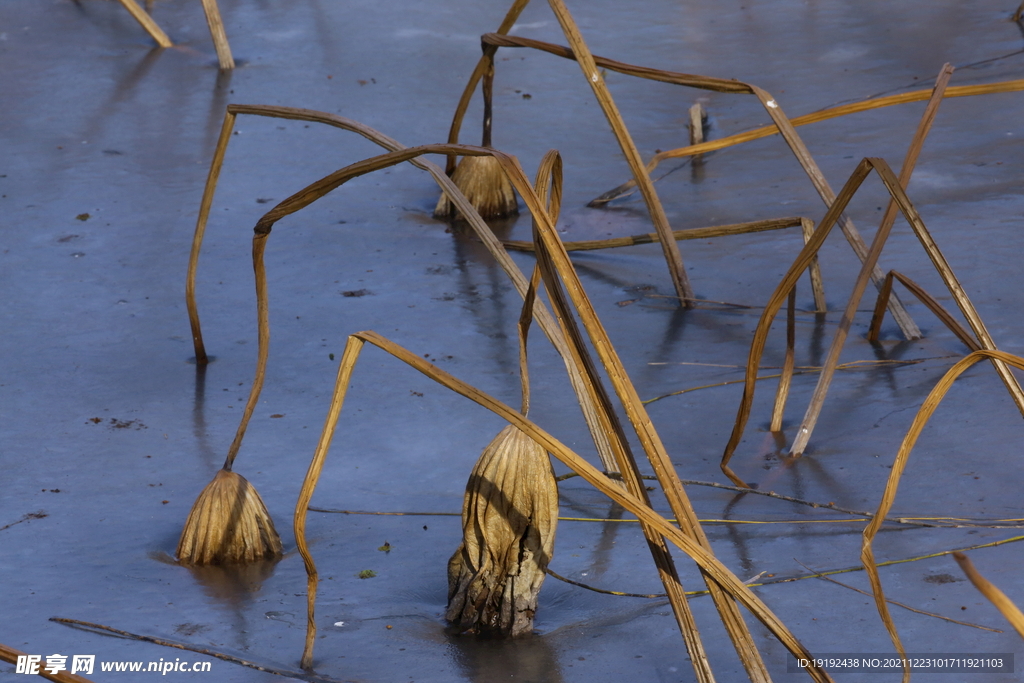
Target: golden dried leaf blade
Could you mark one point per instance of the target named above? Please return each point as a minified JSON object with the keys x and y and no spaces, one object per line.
{"x":708,"y":563}
{"x":924,"y":413}
{"x":992,"y":593}
{"x":823,"y":115}
{"x":868,"y":268}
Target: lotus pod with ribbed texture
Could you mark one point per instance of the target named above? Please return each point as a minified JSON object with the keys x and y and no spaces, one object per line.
{"x":509,"y":515}
{"x":228,"y":524}
{"x":485,"y":186}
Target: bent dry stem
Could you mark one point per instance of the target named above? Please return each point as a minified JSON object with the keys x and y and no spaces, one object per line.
{"x":991,"y":592}
{"x":641,"y":175}
{"x":480,"y":228}
{"x":803,"y":260}
{"x":803,"y":434}
{"x":823,"y":115}
{"x":806,"y":225}
{"x":708,"y":563}
{"x":550,"y":174}
{"x":927,"y":409}
{"x":558,"y":271}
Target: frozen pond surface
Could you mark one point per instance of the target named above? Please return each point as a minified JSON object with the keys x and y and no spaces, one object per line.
{"x":110,"y":431}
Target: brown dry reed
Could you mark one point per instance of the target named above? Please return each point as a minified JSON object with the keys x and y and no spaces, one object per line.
{"x":478,"y":225}
{"x":213,"y":21}
{"x":589,"y":64}
{"x":803,"y":260}
{"x":924,"y":413}
{"x":152,"y":28}
{"x":727,"y":591}
{"x":991,"y":592}
{"x":480,"y":178}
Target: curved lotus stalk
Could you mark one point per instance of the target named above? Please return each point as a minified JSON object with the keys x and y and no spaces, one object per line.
{"x":899,"y":465}
{"x":705,"y":559}
{"x":803,"y":261}
{"x":991,"y":592}
{"x":480,"y":228}
{"x":689,"y":535}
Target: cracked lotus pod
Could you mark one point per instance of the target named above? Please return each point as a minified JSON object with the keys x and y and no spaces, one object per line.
{"x":509,"y":515}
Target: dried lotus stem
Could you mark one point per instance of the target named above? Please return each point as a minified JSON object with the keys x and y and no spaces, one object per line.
{"x":152,"y":28}
{"x":810,"y":419}
{"x":924,"y":413}
{"x":509,"y":517}
{"x":219,"y":35}
{"x":480,"y":228}
{"x":708,"y":563}
{"x":991,"y":592}
{"x":641,"y":175}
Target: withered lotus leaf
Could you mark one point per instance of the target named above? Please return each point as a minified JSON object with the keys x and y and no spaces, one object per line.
{"x":509,"y":515}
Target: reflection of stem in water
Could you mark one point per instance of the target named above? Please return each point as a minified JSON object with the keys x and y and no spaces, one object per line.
{"x":199,"y":421}
{"x":327,"y":37}
{"x":606,"y":543}
{"x":232,"y":587}
{"x":490,"y":319}
{"x":529,"y":658}
{"x":778,"y":453}
{"x":128,"y":84}
{"x":885,"y":370}
{"x":825,"y":478}
{"x":609,"y":529}
{"x":817,"y":338}
{"x":672,"y":335}
{"x":593,"y":271}
{"x":738,"y":536}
